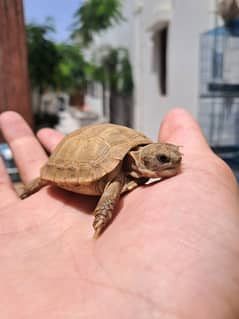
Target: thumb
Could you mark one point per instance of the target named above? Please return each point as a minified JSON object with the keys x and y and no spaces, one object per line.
{"x":179,"y":127}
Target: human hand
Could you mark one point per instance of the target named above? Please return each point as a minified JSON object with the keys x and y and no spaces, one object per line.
{"x":172,"y":251}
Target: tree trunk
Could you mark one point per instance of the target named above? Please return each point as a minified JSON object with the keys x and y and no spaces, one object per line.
{"x":14,"y":83}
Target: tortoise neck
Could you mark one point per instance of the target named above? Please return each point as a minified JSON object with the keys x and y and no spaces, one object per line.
{"x":131,"y":163}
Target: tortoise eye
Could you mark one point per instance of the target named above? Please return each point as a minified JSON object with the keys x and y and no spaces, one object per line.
{"x":163,"y":158}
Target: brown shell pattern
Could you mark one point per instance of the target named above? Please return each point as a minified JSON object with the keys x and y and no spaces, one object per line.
{"x":88,"y":154}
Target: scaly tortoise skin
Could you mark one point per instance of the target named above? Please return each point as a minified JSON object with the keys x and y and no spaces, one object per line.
{"x":106,"y":160}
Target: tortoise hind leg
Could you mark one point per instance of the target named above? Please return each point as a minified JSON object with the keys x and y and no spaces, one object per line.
{"x":34,"y":186}
{"x":107,"y":203}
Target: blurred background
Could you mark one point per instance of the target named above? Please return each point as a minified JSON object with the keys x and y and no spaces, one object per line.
{"x":67,"y":64}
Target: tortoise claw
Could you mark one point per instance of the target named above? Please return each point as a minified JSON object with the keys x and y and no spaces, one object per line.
{"x":99,"y":224}
{"x":97,"y":233}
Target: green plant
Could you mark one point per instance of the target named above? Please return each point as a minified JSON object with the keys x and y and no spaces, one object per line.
{"x":43,"y":56}
{"x":113,"y":70}
{"x":94,"y":16}
{"x":71,"y":72}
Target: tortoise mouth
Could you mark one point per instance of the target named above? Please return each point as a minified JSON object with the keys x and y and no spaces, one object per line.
{"x":163,"y":173}
{"x":168,"y":172}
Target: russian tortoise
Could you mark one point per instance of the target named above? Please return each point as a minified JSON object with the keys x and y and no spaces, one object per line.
{"x":106,"y":160}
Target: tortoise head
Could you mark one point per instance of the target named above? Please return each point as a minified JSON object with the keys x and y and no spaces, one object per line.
{"x":155,"y":160}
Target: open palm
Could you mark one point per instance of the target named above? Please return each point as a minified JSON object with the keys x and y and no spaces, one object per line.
{"x":172,"y":250}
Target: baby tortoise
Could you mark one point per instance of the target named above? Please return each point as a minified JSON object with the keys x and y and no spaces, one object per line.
{"x":106,"y":160}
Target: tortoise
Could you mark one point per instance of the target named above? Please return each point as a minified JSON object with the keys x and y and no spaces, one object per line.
{"x":106,"y":160}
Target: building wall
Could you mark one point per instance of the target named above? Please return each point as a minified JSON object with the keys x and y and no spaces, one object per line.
{"x":186,"y":20}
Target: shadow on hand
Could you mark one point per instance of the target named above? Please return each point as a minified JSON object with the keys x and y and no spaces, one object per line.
{"x":83,"y":203}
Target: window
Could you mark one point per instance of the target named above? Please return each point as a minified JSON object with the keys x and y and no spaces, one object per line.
{"x":159,"y":66}
{"x":162,"y":55}
{"x":217,"y":65}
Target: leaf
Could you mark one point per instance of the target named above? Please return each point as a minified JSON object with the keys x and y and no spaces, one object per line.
{"x":95,"y":16}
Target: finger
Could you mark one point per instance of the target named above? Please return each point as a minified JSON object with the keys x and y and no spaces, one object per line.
{"x":27,"y":151}
{"x":179,"y":127}
{"x":7,"y":192}
{"x":49,"y":138}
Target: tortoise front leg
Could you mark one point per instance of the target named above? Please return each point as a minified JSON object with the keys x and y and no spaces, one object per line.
{"x":107,"y":203}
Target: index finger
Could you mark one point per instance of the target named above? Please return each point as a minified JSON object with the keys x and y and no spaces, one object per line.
{"x":27,"y":151}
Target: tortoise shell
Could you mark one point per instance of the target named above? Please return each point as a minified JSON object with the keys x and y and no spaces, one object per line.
{"x":89,"y":153}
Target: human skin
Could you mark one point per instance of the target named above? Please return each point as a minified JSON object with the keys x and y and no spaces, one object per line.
{"x":171,"y":252}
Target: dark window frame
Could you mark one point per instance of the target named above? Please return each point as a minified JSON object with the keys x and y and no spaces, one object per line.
{"x":162,"y":35}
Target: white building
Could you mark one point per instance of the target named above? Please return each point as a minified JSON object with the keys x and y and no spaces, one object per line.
{"x":163,"y":38}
